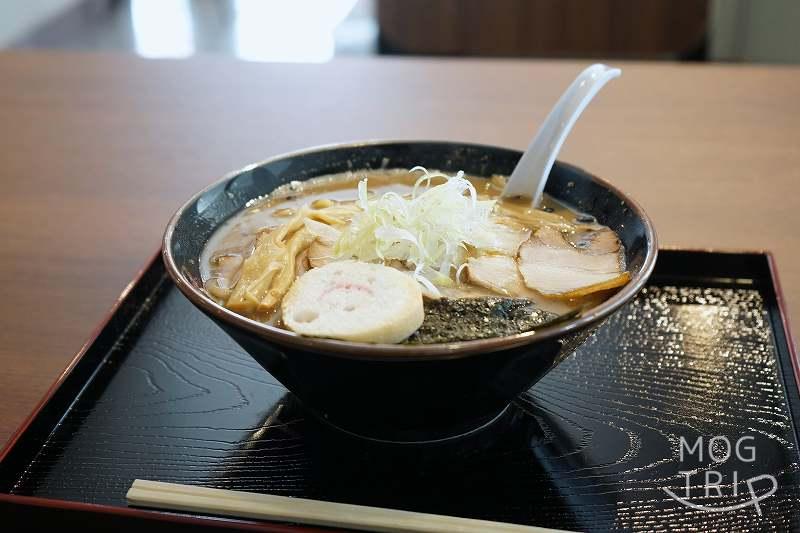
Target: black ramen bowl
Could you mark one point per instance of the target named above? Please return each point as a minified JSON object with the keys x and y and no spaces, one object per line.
{"x":404,"y":393}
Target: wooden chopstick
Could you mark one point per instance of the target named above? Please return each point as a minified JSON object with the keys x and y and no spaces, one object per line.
{"x":177,"y":497}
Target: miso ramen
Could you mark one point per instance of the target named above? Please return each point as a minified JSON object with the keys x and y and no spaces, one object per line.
{"x":409,"y":256}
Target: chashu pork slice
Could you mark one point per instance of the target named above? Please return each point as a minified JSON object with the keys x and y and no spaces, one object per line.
{"x":555,"y":267}
{"x":506,"y":237}
{"x":497,"y":270}
{"x":497,"y":273}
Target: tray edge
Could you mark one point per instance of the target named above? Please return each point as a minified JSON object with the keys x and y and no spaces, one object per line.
{"x":62,"y":376}
{"x":783,"y":312}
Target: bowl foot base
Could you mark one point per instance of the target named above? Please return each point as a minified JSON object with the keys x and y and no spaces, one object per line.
{"x":418,"y":437}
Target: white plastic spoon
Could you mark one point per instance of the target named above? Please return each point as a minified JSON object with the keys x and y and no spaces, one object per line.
{"x":530,"y":174}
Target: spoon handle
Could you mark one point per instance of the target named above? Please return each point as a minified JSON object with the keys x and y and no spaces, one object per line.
{"x":532,"y":170}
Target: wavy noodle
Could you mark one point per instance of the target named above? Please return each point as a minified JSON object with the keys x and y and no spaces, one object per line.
{"x":267,"y":274}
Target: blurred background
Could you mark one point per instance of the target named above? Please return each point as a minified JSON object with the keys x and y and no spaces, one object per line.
{"x":317,"y":30}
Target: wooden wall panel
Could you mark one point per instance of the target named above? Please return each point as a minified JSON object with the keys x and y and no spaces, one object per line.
{"x":544,"y":28}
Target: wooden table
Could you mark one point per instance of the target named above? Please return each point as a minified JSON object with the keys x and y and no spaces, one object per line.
{"x":97,"y":151}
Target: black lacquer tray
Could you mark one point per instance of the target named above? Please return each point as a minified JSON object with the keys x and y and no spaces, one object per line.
{"x":161,"y":393}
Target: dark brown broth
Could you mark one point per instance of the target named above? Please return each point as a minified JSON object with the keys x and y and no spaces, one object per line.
{"x":234,"y":240}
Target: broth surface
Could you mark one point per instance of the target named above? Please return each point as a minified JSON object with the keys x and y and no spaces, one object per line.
{"x":234,"y":241}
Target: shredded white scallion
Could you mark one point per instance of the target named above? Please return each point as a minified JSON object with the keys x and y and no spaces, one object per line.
{"x":429,"y":231}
